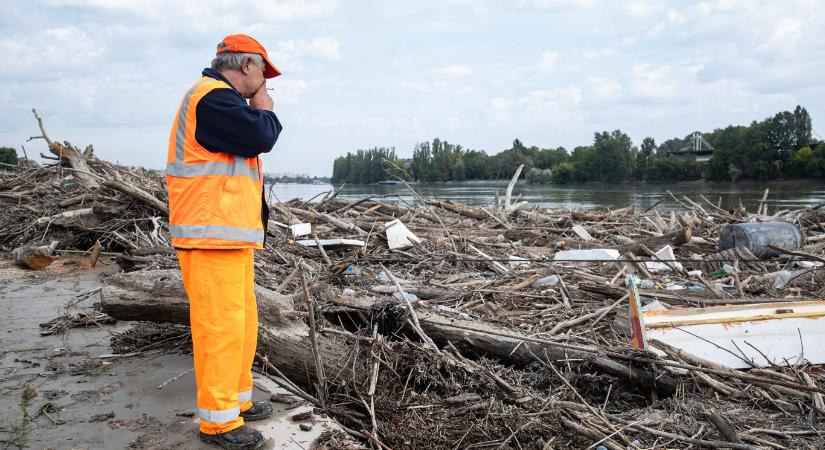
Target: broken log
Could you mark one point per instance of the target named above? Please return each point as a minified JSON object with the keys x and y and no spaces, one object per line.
{"x":34,"y":257}
{"x":674,"y":239}
{"x":458,"y":208}
{"x":159,"y":296}
{"x":69,"y":155}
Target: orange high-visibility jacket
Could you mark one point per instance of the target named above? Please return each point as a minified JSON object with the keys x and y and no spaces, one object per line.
{"x":214,"y":197}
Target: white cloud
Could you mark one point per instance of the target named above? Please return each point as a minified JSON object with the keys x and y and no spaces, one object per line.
{"x":417,"y":86}
{"x":785,"y":36}
{"x":643,"y":9}
{"x":453,"y":71}
{"x":323,"y":47}
{"x":53,"y":49}
{"x":547,"y":62}
{"x":558,"y":4}
{"x":210,"y":10}
{"x":289,"y":91}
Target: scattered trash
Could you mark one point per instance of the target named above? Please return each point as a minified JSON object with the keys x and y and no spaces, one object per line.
{"x":352,"y":271}
{"x":549,"y":281}
{"x":664,"y":254}
{"x":597,"y":254}
{"x":448,"y":310}
{"x":399,"y":236}
{"x":300,"y":229}
{"x":516,"y":262}
{"x":582,"y":233}
{"x":503,"y":364}
{"x":782,"y":278}
{"x":410,"y":297}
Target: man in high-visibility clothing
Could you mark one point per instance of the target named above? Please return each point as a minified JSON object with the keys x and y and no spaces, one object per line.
{"x":217,"y":217}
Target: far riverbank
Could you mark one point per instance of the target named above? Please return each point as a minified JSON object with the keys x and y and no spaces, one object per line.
{"x":783,"y":194}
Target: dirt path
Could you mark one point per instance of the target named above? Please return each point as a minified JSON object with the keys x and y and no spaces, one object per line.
{"x":56,"y":392}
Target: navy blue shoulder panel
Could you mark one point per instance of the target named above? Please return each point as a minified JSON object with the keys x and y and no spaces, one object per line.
{"x":226,"y":123}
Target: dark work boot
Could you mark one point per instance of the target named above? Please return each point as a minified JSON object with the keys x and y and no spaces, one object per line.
{"x":258,"y":411}
{"x":241,"y":438}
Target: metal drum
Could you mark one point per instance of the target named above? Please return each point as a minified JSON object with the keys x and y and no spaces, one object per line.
{"x":758,"y":236}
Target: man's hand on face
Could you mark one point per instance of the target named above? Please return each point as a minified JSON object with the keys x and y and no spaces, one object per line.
{"x":261,"y":99}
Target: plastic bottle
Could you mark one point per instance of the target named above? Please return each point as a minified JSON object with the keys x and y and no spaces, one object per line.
{"x":552,"y":280}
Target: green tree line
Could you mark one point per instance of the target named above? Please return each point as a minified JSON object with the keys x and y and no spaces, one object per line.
{"x":777,"y":147}
{"x":8,"y":156}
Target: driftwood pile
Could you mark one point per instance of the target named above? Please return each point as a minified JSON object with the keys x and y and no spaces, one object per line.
{"x":452,"y":342}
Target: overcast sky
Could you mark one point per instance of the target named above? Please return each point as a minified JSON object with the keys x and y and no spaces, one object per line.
{"x":359,"y":74}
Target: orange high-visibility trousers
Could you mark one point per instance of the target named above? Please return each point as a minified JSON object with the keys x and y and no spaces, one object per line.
{"x":224,"y":319}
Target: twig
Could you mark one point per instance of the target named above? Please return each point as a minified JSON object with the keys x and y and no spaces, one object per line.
{"x":175,"y":378}
{"x":411,"y":310}
{"x":313,"y":341}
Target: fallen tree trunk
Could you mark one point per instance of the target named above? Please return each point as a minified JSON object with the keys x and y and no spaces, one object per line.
{"x":159,"y":296}
{"x":478,"y":338}
{"x":34,"y":257}
{"x":458,"y":208}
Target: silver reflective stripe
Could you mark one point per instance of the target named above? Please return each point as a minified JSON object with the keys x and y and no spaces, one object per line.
{"x":236,"y":168}
{"x":217,"y":232}
{"x":219,"y":416}
{"x":184,"y":108}
{"x":245,"y":396}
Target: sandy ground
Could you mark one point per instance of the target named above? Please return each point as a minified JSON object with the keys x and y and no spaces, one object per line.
{"x":118,"y":407}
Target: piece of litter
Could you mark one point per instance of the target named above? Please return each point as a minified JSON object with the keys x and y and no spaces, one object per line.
{"x":582,"y":233}
{"x":665,"y":254}
{"x":552,"y":280}
{"x":410,"y":297}
{"x":399,"y":236}
{"x":782,"y":279}
{"x":744,"y":336}
{"x":300,"y":229}
{"x":596,"y":254}
{"x":516,"y":262}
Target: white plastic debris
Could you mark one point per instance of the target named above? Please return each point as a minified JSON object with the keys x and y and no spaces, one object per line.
{"x":448,"y":310}
{"x":582,"y":233}
{"x":552,"y":280}
{"x":808,"y":264}
{"x":782,"y":279}
{"x":695,"y":273}
{"x":300,"y":229}
{"x":665,"y":253}
{"x":596,"y":254}
{"x":410,"y":297}
{"x":516,"y":262}
{"x":347,"y":292}
{"x":399,"y":236}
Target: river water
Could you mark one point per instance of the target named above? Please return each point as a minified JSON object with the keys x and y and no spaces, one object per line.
{"x":782,"y":195}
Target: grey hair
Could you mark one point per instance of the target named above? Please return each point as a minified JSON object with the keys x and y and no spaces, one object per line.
{"x":234,"y":60}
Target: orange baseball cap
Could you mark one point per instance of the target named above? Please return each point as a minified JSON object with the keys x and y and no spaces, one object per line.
{"x":241,"y":43}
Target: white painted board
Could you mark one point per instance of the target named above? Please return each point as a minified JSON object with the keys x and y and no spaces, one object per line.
{"x":744,"y":336}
